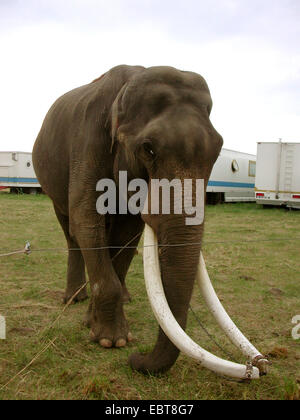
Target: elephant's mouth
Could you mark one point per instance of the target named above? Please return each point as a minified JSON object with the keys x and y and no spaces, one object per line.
{"x":258,"y":364}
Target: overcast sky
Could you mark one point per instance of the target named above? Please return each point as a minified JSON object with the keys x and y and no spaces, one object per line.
{"x":247,"y":50}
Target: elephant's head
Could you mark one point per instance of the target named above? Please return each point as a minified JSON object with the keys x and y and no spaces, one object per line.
{"x":161,"y":129}
{"x":160,"y":120}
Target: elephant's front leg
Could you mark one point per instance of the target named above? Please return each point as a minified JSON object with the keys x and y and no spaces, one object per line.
{"x":105,"y":315}
{"x":125,"y":232}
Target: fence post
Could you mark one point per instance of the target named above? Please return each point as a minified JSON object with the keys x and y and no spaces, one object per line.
{"x":2,"y":328}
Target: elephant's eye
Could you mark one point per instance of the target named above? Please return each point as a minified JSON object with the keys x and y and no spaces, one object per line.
{"x":148,"y":149}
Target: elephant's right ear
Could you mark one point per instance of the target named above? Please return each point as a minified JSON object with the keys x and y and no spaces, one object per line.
{"x":115,"y":116}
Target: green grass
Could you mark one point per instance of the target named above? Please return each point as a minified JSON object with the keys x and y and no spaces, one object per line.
{"x":258,"y":282}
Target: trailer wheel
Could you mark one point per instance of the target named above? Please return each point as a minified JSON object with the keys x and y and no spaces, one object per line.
{"x":30,"y":190}
{"x":16,"y":190}
{"x":214,"y":198}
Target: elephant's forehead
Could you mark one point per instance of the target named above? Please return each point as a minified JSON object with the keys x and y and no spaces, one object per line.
{"x":168,"y":77}
{"x":160,"y":90}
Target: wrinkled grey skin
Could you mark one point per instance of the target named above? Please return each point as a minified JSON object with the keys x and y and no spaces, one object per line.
{"x":154,"y":123}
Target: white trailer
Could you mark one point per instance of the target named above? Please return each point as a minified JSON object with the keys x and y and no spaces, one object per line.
{"x":17,"y":173}
{"x":232,"y":178}
{"x":278,"y":174}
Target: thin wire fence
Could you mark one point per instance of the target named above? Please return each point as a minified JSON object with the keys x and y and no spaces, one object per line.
{"x":27,"y":249}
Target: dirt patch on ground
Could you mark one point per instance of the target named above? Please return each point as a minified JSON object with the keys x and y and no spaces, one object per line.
{"x":22,"y":331}
{"x":54,"y":294}
{"x":278,"y":353}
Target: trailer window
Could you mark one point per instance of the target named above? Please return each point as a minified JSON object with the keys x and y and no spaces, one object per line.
{"x":252,"y":168}
{"x":234,"y":166}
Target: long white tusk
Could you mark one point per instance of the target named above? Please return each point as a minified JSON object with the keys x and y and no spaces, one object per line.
{"x":171,"y":327}
{"x":225,"y":321}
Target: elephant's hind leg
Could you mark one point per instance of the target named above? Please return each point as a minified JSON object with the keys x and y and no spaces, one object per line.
{"x":76,"y":267}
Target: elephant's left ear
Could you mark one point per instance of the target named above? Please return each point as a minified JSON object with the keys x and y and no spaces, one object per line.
{"x":115,"y":116}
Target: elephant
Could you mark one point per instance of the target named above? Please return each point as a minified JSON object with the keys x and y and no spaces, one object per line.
{"x":153,"y":123}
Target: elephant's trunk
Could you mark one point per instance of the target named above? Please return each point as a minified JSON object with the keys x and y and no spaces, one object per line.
{"x":178,"y":266}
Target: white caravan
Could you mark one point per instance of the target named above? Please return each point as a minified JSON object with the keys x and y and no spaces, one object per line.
{"x":16,"y":172}
{"x":232,"y":178}
{"x":278,"y":174}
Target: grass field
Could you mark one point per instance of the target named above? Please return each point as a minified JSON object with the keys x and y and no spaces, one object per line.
{"x":256,"y":276}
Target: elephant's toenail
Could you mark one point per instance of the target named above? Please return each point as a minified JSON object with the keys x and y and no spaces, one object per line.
{"x":92,"y":336}
{"x":121,"y":342}
{"x":105,"y":343}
